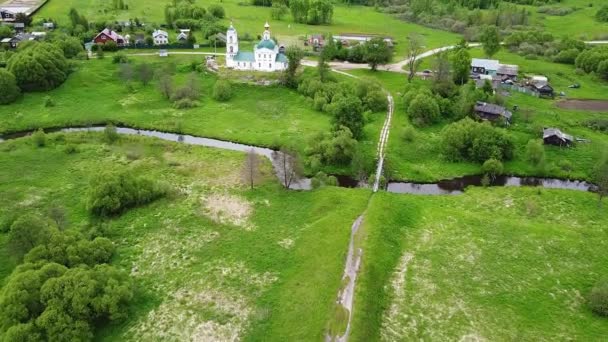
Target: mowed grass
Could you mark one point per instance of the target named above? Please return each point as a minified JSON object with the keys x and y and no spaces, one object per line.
{"x":251,"y":19}
{"x":214,"y":260}
{"x":258,"y":115}
{"x":492,"y":264}
{"x":421,"y":159}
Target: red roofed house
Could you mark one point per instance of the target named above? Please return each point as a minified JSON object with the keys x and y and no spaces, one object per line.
{"x":108,"y":35}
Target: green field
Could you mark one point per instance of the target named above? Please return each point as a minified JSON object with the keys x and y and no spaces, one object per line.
{"x":251,"y":19}
{"x":580,"y":24}
{"x":214,"y":259}
{"x":493,"y":264}
{"x":95,"y":94}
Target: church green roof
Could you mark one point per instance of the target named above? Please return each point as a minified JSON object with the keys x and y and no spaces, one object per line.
{"x":266,"y":43}
{"x":244,"y":57}
{"x":281,"y":58}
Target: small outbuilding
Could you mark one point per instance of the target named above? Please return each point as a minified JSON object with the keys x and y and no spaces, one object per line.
{"x":553,"y":136}
{"x":492,"y":112}
{"x":316,"y":41}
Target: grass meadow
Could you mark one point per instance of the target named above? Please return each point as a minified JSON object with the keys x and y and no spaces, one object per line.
{"x":579,"y":24}
{"x":214,"y":260}
{"x":491,"y":264}
{"x":251,"y":19}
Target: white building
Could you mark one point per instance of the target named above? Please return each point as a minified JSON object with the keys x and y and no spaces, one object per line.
{"x":160,"y":37}
{"x":183,"y":35}
{"x":265,"y":55}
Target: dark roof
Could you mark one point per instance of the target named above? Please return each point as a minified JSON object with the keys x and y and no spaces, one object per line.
{"x":493,"y":109}
{"x":507,"y":69}
{"x":549,"y":132}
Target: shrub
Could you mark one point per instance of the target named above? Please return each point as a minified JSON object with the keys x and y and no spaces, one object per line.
{"x":602,"y":14}
{"x":475,"y":141}
{"x":565,"y":165}
{"x":110,"y":135}
{"x":423,"y":110}
{"x":222,"y":90}
{"x":535,"y":152}
{"x":39,"y":138}
{"x":110,"y":46}
{"x":120,"y":58}
{"x":409,"y":134}
{"x":110,"y":193}
{"x":185,"y":104}
{"x":335,"y":148}
{"x":322,"y":179}
{"x":492,"y":168}
{"x":49,"y":102}
{"x":598,"y":298}
{"x":39,"y":66}
{"x":70,"y":149}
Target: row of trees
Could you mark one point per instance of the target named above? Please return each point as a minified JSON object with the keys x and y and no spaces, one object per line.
{"x":312,"y":12}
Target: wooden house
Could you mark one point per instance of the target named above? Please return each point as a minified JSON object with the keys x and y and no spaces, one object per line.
{"x":108,"y":35}
{"x":492,"y":112}
{"x":553,"y":136}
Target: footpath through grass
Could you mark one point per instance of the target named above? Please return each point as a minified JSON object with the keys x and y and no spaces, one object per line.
{"x":212,"y":261}
{"x":492,"y":264}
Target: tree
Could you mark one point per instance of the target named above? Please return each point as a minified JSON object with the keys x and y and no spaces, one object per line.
{"x":288,"y":165}
{"x":461,"y":65}
{"x":474,"y":141}
{"x":145,"y":73}
{"x":600,"y":177}
{"x":492,"y":168}
{"x":423,"y":110}
{"x":490,"y":40}
{"x":165,"y":84}
{"x":414,"y":48}
{"x":535,"y":152}
{"x":323,"y":68}
{"x":299,"y":10}
{"x":222,"y":90}
{"x":9,"y":91}
{"x":348,"y":112}
{"x":278,"y":11}
{"x":294,"y":56}
{"x":216,"y":11}
{"x":377,"y":52}
{"x":251,"y":169}
{"x":602,"y":69}
{"x":319,"y":12}
{"x":38,"y":67}
{"x":71,"y":46}
{"x":6,"y":31}
{"x":27,"y":232}
{"x":332,"y":148}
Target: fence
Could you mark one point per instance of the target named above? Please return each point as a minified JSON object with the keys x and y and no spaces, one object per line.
{"x":513,"y":87}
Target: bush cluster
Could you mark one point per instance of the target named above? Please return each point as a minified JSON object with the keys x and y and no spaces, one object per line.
{"x":474,"y":141}
{"x":111,"y":193}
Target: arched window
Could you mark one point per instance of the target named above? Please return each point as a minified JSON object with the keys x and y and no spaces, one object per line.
{"x":270,"y":65}
{"x":231,"y":39}
{"x":231,"y":50}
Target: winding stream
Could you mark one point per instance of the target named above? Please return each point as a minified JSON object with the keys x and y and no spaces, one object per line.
{"x":444,"y":187}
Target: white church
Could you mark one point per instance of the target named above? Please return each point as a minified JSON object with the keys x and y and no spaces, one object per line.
{"x":265,"y":55}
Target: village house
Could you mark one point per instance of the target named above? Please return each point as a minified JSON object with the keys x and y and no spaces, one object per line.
{"x":553,"y":136}
{"x":492,"y":112}
{"x":266,"y":55}
{"x":481,"y":66}
{"x":107,"y":35}
{"x":507,"y":72}
{"x":160,"y":37}
{"x":10,"y":9}
{"x":19,"y":38}
{"x":182,"y":37}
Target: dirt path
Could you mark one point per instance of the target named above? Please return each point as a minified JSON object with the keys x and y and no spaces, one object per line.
{"x":382,"y":142}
